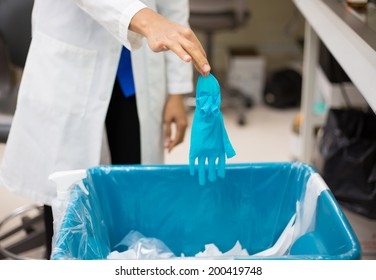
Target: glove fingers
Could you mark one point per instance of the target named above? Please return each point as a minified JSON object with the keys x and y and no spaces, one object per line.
{"x":192,"y":165}
{"x":201,"y":170}
{"x":200,"y":101}
{"x":211,"y":164}
{"x":215,"y":108}
{"x":230,"y":152}
{"x":221,"y":165}
{"x":206,"y":103}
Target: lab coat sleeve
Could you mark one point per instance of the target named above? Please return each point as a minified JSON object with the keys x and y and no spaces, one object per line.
{"x":179,"y":73}
{"x":115,"y":16}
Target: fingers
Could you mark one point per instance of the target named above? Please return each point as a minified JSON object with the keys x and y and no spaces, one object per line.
{"x":201,"y":171}
{"x":192,"y":165}
{"x":212,"y":169}
{"x":181,"y":128}
{"x":185,"y":45}
{"x":229,"y":150}
{"x":185,"y":39}
{"x":215,"y":108}
{"x":179,"y":136}
{"x":193,"y":47}
{"x":197,"y":53}
{"x":205,"y":102}
{"x":221,"y":165}
{"x":204,"y":70}
{"x":191,"y":52}
{"x":198,"y":68}
{"x":179,"y":50}
{"x":167,"y":130}
{"x":163,"y":34}
{"x":174,"y":114}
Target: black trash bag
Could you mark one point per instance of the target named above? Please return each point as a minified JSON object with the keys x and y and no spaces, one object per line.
{"x":283,"y":89}
{"x":348,"y":151}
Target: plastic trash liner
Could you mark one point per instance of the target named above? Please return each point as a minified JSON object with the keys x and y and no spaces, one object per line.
{"x":348,"y":155}
{"x":275,"y":210}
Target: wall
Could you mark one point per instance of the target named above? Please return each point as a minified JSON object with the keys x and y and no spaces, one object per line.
{"x":273,"y":30}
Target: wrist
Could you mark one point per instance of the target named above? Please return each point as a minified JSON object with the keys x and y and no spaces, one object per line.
{"x":175,"y":98}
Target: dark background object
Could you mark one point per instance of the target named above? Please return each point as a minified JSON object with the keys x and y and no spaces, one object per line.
{"x":15,"y":26}
{"x":283,"y":89}
{"x":331,"y":67}
{"x":15,"y":38}
{"x":348,"y":151}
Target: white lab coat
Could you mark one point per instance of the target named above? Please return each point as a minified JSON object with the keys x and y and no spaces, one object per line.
{"x":67,"y":84}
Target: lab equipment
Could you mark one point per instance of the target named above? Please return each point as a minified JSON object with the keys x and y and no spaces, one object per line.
{"x":209,"y":140}
{"x":261,"y":205}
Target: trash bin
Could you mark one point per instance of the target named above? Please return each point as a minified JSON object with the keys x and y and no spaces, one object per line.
{"x":275,"y":210}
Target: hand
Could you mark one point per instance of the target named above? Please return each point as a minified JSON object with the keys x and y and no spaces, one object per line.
{"x":163,"y":34}
{"x":174,"y":112}
{"x":209,"y":139}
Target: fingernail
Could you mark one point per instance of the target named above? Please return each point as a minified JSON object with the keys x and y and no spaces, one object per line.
{"x":166,"y":143}
{"x":206,"y":68}
{"x":187,"y":58}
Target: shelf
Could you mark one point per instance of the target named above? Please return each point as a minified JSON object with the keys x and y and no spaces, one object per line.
{"x":351,"y":38}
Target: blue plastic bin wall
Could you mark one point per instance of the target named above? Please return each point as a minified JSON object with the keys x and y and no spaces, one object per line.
{"x":252,"y":204}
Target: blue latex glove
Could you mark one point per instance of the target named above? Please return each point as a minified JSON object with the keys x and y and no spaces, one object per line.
{"x":209,"y":139}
